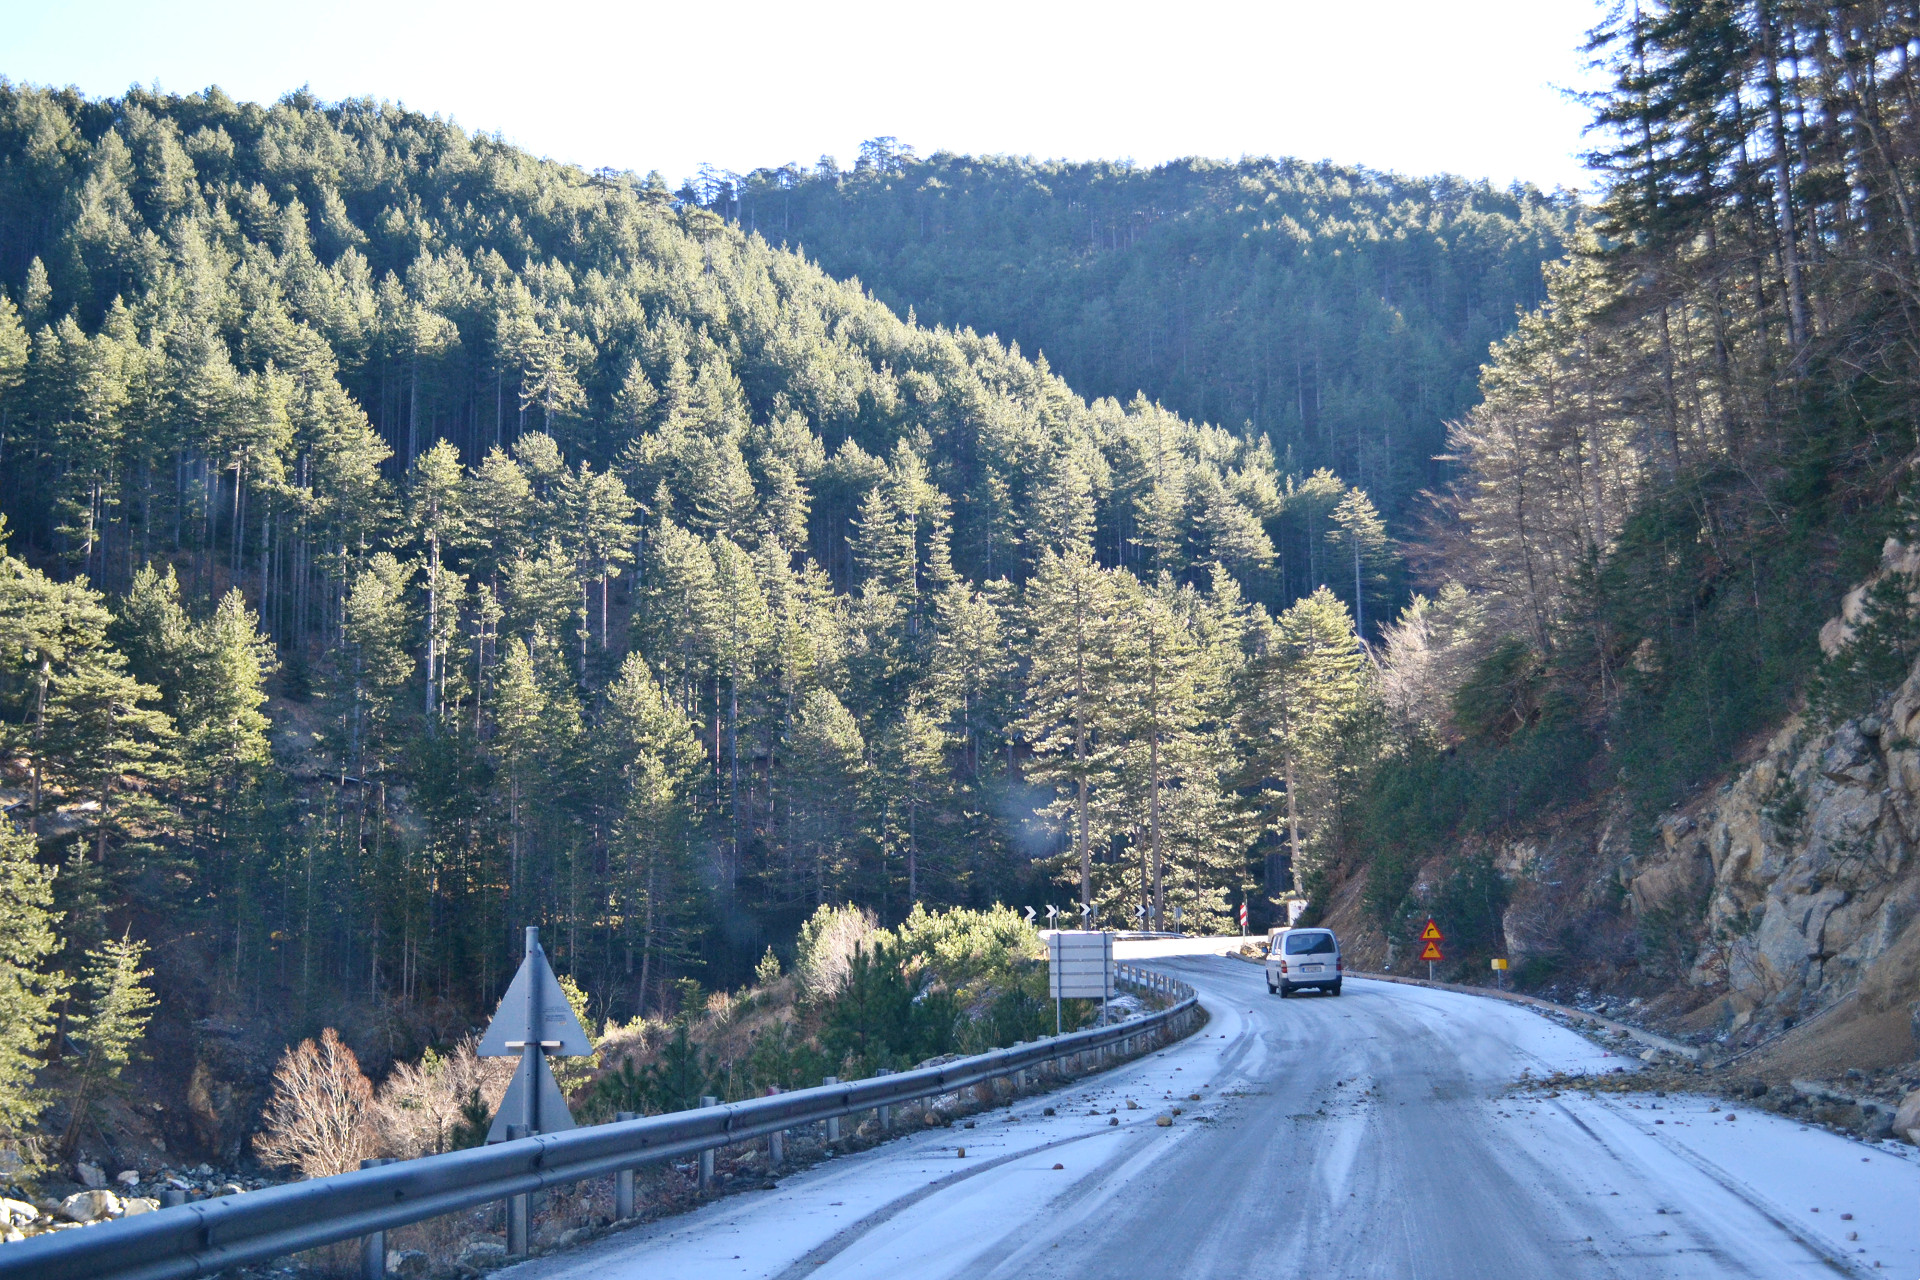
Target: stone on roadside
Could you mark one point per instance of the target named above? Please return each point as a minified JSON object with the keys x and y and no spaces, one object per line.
{"x":91,"y":1176}
{"x":407,"y":1262}
{"x":1906,"y":1121}
{"x":16,"y":1213}
{"x":128,"y":1177}
{"x":138,"y":1204}
{"x":90,"y":1206}
{"x":479,"y":1253}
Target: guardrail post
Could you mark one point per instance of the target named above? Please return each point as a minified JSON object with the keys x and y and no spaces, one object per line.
{"x":373,"y":1245}
{"x":777,"y":1140}
{"x":886,"y":1112}
{"x":833,"y":1122}
{"x":518,"y":1208}
{"x":623,"y":1181}
{"x":172,"y":1198}
{"x":706,"y":1157}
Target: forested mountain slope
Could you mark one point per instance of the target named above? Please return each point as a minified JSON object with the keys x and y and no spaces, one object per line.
{"x":1341,"y":312}
{"x":608,"y":569}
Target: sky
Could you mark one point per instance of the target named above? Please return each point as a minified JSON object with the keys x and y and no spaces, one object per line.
{"x":1474,"y":87}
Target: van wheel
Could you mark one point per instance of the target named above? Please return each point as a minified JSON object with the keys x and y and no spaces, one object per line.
{"x":1335,"y":988}
{"x":1269,"y":986}
{"x":1284,"y":993}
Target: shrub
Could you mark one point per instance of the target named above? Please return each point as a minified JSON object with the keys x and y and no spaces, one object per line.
{"x":828,"y":940}
{"x":320,"y":1118}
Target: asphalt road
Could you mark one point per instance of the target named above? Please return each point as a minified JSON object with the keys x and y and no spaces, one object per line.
{"x":1376,"y":1134}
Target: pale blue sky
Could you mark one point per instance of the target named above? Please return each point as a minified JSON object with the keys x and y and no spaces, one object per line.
{"x":1468,"y":86}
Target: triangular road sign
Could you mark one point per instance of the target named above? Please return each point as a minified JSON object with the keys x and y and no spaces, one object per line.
{"x":1432,"y":933}
{"x":1431,"y":952}
{"x":550,"y":1114}
{"x":534,"y":1009}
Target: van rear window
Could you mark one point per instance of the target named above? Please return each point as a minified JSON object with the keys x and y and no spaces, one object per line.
{"x":1311,"y":944}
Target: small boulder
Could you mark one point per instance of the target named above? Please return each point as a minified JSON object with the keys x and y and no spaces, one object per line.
{"x":91,"y":1176}
{"x":16,"y":1213}
{"x":90,"y":1206}
{"x":128,"y":1177}
{"x":138,"y":1204}
{"x":407,"y":1262}
{"x":480,"y":1252}
{"x":1906,"y":1121}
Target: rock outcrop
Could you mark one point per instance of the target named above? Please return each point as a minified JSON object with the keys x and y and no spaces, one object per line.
{"x":1806,"y":867}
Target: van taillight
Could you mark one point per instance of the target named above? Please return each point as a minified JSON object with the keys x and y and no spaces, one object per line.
{"x":1339,"y":966}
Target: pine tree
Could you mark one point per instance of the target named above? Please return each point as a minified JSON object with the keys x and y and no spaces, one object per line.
{"x":1306,"y":680}
{"x":1071,"y":690}
{"x":100,"y":731}
{"x":826,"y":771}
{"x":438,"y":501}
{"x":29,"y":992}
{"x":116,"y":1021}
{"x":1361,"y":537}
{"x":1159,"y":704}
{"x":223,"y":731}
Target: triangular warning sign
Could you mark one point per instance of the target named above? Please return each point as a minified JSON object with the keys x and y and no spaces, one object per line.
{"x":1431,"y":952}
{"x":1432,"y":933}
{"x":550,"y":1114}
{"x":534,"y":1009}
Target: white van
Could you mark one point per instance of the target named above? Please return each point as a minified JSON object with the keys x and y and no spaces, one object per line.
{"x":1302,"y":958}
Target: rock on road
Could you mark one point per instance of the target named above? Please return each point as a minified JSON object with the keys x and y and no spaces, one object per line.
{"x":1370,"y":1135}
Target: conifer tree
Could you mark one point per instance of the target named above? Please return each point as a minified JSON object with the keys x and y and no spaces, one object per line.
{"x":29,"y":991}
{"x":1306,"y":679}
{"x":1072,"y":690}
{"x":1360,"y":536}
{"x":224,"y":730}
{"x":438,"y":501}
{"x":119,"y":1006}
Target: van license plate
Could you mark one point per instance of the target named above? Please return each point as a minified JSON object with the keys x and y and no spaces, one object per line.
{"x":1312,"y":968}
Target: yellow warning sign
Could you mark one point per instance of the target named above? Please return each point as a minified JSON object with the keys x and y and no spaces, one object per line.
{"x":1432,"y":933}
{"x":1431,"y":952}
{"x":1499,"y":964}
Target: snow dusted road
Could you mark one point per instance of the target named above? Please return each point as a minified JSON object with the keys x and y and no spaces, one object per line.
{"x":1370,"y":1135}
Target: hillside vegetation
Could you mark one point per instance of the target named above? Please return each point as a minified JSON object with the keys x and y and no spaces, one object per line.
{"x":1340,"y":312}
{"x":408,"y":540}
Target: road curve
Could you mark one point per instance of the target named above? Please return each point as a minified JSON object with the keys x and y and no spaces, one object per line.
{"x":1376,"y":1134}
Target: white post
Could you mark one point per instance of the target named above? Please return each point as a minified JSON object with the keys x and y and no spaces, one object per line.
{"x":623,"y":1181}
{"x":833,"y":1122}
{"x":373,"y":1245}
{"x":706,"y":1157}
{"x":517,"y":1207}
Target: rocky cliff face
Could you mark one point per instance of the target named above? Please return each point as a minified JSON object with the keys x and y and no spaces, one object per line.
{"x":1806,"y":867}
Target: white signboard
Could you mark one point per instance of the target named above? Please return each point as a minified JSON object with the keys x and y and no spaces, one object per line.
{"x":1080,"y":964}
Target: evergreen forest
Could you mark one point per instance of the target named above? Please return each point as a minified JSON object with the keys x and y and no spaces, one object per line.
{"x":409,"y":540}
{"x":1341,"y":313}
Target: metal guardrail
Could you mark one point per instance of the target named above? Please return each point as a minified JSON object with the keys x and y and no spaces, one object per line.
{"x":209,"y":1236}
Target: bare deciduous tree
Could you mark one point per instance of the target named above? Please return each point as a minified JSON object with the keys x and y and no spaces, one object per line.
{"x":419,"y":1104}
{"x":320,"y":1118}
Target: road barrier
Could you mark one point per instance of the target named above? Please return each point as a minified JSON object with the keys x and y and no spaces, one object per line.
{"x":205,"y":1237}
